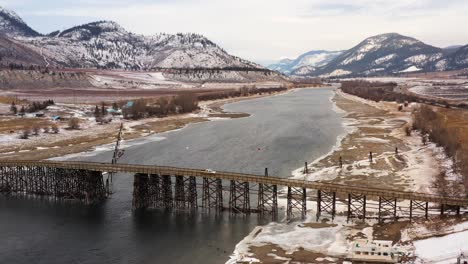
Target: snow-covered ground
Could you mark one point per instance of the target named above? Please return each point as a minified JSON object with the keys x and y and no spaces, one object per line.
{"x":329,"y":239}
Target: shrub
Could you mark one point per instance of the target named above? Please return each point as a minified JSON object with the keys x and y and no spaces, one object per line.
{"x":36,"y":130}
{"x":25,"y":134}
{"x":74,"y":123}
{"x":55,"y":128}
{"x":408,"y":130}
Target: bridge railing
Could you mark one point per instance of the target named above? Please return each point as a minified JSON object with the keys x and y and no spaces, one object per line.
{"x":272,"y":180}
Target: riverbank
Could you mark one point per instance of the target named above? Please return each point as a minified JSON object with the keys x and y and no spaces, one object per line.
{"x":399,"y":161}
{"x":370,"y":127}
{"x":92,"y":135}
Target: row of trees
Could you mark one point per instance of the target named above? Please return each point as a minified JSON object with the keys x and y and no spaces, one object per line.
{"x":439,"y":129}
{"x":73,"y":124}
{"x":35,"y":130}
{"x":243,"y":91}
{"x":31,"y":108}
{"x":375,"y":91}
{"x":386,"y":91}
{"x":184,"y":103}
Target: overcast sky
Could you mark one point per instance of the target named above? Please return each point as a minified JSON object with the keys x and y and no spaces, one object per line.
{"x":262,"y":30}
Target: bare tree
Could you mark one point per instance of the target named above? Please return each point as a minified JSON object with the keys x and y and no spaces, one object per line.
{"x":25,"y":134}
{"x":36,"y":130}
{"x":55,"y":128}
{"x":74,"y":123}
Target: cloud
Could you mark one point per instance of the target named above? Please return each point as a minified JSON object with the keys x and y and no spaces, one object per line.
{"x":262,"y":30}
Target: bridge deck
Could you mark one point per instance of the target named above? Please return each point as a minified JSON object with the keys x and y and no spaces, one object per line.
{"x":161,"y":170}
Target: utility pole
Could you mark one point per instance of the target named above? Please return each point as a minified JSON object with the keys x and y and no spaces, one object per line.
{"x":117,"y":151}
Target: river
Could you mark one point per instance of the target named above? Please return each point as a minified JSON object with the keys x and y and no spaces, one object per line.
{"x":282,"y":132}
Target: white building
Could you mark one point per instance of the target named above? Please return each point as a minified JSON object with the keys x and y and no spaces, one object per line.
{"x":374,"y":251}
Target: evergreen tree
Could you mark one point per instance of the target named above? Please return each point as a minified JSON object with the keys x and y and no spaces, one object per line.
{"x":13,"y":108}
{"x":103,"y":109}
{"x":97,"y":112}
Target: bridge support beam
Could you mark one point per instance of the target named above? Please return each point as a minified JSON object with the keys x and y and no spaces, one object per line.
{"x":416,"y":206}
{"x":356,"y":206}
{"x":179,"y":196}
{"x":152,"y":191}
{"x":296,"y":201}
{"x":449,"y":210}
{"x":212,"y":198}
{"x":239,"y":200}
{"x":155,"y":191}
{"x":387,"y":207}
{"x":141,"y":195}
{"x":167,"y":192}
{"x":268,"y":199}
{"x":191,"y":195}
{"x":185,"y":193}
{"x":326,"y":203}
{"x":70,"y":184}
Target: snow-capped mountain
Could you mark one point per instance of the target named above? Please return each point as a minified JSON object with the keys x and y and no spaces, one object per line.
{"x":456,"y":60}
{"x":383,"y":55}
{"x":305,"y":63}
{"x":13,"y":26}
{"x":105,"y":44}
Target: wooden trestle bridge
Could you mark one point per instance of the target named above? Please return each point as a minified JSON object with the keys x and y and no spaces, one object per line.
{"x":179,"y":188}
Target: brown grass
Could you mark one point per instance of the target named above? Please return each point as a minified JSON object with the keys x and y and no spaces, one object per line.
{"x":229,"y":115}
{"x":355,"y":147}
{"x":9,"y":100}
{"x":389,"y":231}
{"x":299,"y":256}
{"x":17,"y":124}
{"x":319,"y":225}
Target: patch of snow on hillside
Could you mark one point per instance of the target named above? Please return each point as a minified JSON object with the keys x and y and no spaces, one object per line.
{"x":418,"y":59}
{"x":441,"y":65}
{"x":385,"y":58}
{"x":316,"y":60}
{"x":411,"y":69}
{"x":356,"y":57}
{"x":336,"y":73}
{"x":304,"y":70}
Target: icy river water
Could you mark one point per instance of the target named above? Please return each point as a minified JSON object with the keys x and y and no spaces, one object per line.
{"x":282,"y":132}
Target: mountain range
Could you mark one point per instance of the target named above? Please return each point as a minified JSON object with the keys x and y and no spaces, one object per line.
{"x":380,"y":55}
{"x":305,"y":63}
{"x":105,"y":44}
